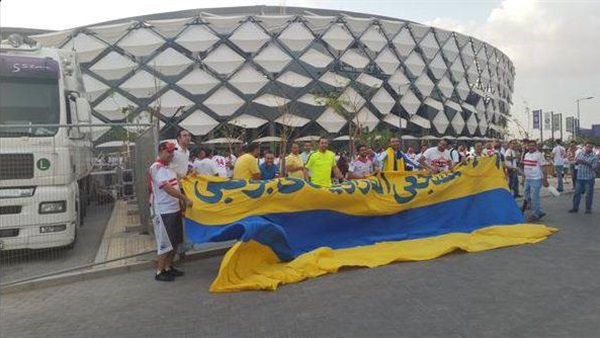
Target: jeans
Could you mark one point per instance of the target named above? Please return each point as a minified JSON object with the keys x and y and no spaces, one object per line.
{"x":513,"y":181}
{"x":582,"y":186}
{"x":532,"y":195}
{"x":560,"y":172}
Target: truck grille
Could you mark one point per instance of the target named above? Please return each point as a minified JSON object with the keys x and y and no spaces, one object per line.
{"x":16,"y":166}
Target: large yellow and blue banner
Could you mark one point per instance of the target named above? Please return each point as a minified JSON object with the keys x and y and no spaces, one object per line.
{"x":289,"y":230}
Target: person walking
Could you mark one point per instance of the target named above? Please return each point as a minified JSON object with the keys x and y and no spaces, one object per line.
{"x":535,"y":177}
{"x":321,"y":165}
{"x":166,"y":198}
{"x":558,"y":155}
{"x":587,"y":161}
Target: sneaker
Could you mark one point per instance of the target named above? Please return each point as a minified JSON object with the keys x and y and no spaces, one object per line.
{"x":542,"y":214}
{"x":588,"y":211}
{"x":533,"y":218}
{"x":572,"y":211}
{"x":164,"y":277}
{"x":174,"y":272}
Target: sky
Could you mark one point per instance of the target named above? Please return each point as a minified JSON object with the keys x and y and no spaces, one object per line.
{"x":554,"y":45}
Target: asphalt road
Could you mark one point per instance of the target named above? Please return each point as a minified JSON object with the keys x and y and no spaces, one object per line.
{"x":550,"y":289}
{"x":17,"y":265}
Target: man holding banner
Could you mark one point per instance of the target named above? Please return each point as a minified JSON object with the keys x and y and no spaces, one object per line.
{"x":166,"y":200}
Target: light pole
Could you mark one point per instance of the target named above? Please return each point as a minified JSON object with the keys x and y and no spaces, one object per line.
{"x":578,"y":115}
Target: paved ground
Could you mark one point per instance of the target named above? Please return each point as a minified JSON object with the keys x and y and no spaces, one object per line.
{"x":545,"y":290}
{"x":28,"y":263}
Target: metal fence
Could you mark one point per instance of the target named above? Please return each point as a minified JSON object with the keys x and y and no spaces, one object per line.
{"x":73,"y":197}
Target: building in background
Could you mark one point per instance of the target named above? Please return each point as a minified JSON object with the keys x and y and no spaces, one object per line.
{"x":259,"y":69}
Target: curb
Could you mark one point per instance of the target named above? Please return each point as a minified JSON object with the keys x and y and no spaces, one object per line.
{"x":80,"y":276}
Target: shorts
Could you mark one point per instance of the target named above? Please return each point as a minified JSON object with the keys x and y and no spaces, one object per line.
{"x":174,"y":226}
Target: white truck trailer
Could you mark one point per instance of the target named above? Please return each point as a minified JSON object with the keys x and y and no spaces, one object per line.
{"x":45,"y":146}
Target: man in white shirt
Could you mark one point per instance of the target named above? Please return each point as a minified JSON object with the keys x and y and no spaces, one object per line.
{"x":437,"y":159}
{"x":535,"y":178}
{"x":221,"y":165}
{"x":362,"y":166}
{"x":204,"y":165}
{"x":559,"y":154}
{"x":166,"y":198}
{"x":181,"y":156}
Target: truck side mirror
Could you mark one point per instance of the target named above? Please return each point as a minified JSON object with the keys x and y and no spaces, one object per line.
{"x":84,"y":114}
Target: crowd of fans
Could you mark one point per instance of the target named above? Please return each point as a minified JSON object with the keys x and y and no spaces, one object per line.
{"x":526,"y":166}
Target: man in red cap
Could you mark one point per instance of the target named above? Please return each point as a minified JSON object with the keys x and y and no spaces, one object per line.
{"x":166,"y":198}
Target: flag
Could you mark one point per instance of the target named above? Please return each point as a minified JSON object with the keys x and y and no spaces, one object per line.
{"x":548,"y":121}
{"x":556,"y":121}
{"x":570,"y":124}
{"x":536,"y":119}
{"x":289,"y":230}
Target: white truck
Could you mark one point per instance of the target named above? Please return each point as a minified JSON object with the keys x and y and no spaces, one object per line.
{"x":45,"y":146}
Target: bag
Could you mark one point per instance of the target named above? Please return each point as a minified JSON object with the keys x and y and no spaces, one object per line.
{"x":163,"y":244}
{"x":553,"y":191}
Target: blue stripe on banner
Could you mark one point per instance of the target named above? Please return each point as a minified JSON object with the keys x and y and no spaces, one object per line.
{"x":290,"y":235}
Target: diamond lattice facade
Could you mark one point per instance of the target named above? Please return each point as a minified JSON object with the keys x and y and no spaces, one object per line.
{"x":256,"y":68}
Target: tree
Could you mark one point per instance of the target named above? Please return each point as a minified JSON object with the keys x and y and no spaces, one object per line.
{"x":347,"y":105}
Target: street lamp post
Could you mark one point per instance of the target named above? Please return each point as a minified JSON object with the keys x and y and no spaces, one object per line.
{"x":577,"y":127}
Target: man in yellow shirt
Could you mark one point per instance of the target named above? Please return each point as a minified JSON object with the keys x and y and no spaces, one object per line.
{"x":294,"y":166}
{"x":246,"y":166}
{"x":321,"y":164}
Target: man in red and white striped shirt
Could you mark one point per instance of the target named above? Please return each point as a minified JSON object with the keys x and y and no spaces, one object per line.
{"x":166,"y":201}
{"x":535,"y":178}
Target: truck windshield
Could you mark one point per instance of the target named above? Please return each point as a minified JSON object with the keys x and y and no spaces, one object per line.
{"x":31,"y":102}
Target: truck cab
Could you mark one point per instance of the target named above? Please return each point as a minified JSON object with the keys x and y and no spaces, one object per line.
{"x":45,"y":146}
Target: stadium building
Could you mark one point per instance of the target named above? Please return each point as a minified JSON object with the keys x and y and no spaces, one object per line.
{"x":266,"y":70}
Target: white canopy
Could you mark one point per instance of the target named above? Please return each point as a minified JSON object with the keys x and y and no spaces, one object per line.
{"x":267,"y":139}
{"x":308,"y":138}
{"x":223,"y":140}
